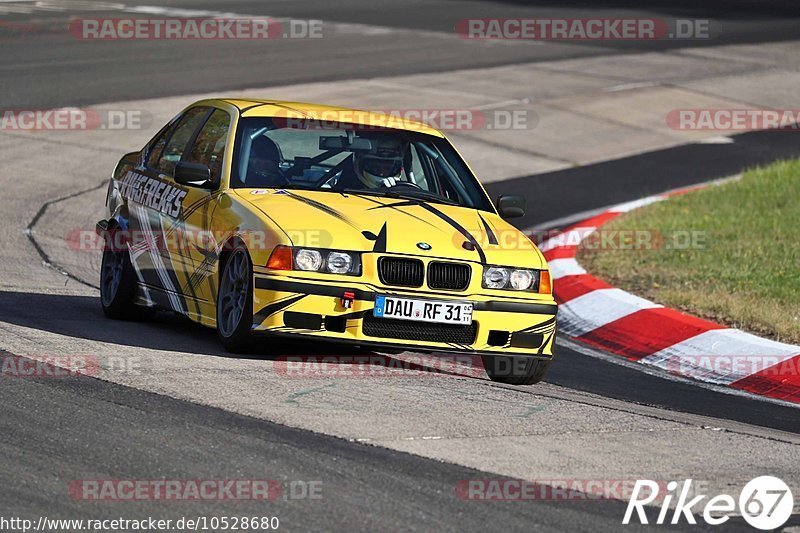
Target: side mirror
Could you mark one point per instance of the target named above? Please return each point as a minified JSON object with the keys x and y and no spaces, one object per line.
{"x":510,"y":206}
{"x":194,"y":175}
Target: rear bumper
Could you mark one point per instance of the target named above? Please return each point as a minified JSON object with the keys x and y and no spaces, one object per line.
{"x":293,"y":306}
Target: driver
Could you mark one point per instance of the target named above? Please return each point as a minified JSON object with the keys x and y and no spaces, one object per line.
{"x":263,"y":168}
{"x":381,"y":166}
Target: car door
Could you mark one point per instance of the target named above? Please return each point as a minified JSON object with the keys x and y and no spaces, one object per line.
{"x":194,"y":257}
{"x":157,"y":211}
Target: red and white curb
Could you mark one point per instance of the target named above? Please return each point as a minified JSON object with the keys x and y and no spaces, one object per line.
{"x":616,"y":321}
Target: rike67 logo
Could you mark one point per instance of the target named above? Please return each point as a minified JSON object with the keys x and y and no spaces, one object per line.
{"x":765,"y":502}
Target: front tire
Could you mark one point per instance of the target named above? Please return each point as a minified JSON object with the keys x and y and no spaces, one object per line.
{"x":518,"y":370}
{"x":235,"y":301}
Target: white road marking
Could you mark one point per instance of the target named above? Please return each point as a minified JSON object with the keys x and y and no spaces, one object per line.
{"x":629,"y":86}
{"x":720,"y":139}
{"x":636,"y":204}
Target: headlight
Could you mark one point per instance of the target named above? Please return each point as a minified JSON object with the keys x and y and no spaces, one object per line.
{"x":509,"y":278}
{"x":315,"y":260}
{"x":306,"y":259}
{"x":521,"y":280}
{"x":495,"y":278}
{"x":339,"y":262}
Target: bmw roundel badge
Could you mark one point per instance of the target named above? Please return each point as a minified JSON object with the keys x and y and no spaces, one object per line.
{"x":423,"y":246}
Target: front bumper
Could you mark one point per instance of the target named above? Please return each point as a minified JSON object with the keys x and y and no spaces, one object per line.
{"x":300,"y":306}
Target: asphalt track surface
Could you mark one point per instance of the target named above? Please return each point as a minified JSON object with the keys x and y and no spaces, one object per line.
{"x":39,"y":54}
{"x":91,"y":428}
{"x":367,"y":488}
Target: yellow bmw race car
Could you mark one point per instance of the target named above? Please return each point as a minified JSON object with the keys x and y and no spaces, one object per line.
{"x":314,"y":221}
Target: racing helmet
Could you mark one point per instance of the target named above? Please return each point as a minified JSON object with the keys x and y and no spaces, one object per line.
{"x":382,"y":165}
{"x":265,"y":157}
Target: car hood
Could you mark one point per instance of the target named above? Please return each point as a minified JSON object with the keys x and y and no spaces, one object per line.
{"x":379,"y":224}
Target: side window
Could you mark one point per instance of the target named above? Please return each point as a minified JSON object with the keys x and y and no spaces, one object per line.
{"x":158,"y":146}
{"x":416,"y":174}
{"x":181,"y":135}
{"x":209,"y":148}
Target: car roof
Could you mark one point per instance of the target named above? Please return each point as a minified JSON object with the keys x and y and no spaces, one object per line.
{"x":256,"y":107}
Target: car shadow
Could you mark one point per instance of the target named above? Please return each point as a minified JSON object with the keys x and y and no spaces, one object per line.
{"x":81,"y":317}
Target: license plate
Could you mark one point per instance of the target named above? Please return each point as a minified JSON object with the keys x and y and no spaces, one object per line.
{"x":423,"y":310}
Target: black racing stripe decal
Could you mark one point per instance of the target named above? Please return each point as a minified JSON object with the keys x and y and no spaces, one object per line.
{"x":544,"y":326}
{"x":353,"y":316}
{"x":389,"y":344}
{"x":380,"y":241}
{"x":189,"y":210}
{"x":186,"y":212}
{"x":546,"y":341}
{"x":459,"y":346}
{"x":322,"y":207}
{"x":489,"y":233}
{"x":255,"y":105}
{"x":274,"y":307}
{"x":154,"y":228}
{"x":546,"y":309}
{"x":396,"y":207}
{"x":517,"y":307}
{"x":458,"y":227}
{"x":312,"y":288}
{"x":404,"y":203}
{"x":141,"y":254}
{"x":201,"y":271}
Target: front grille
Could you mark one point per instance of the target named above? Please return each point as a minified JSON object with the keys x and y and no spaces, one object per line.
{"x":451,"y":276}
{"x":401,"y":271}
{"x":410,"y":330}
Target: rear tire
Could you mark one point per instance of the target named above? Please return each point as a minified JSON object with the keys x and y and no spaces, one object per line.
{"x":118,"y":287}
{"x":518,"y":370}
{"x":235,"y":301}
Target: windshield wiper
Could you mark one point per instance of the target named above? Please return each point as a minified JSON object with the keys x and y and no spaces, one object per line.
{"x":365,"y":192}
{"x":421,"y":195}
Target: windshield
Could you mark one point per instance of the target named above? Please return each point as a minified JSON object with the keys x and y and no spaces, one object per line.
{"x":385,"y":162}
